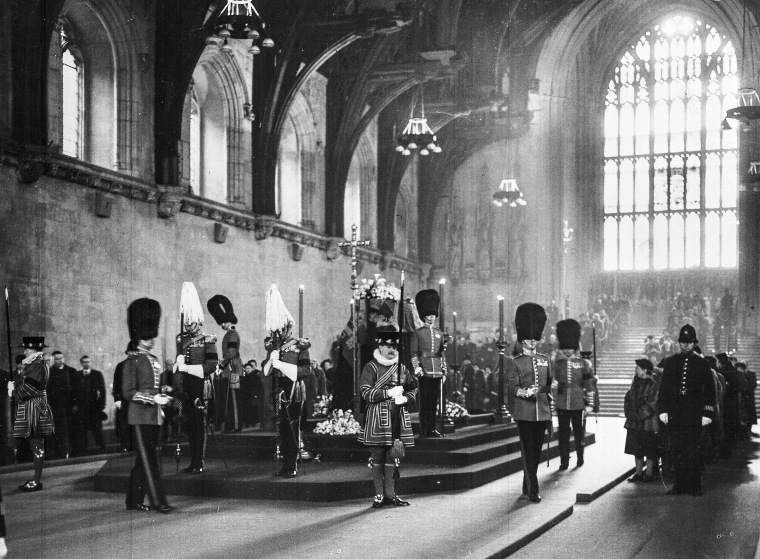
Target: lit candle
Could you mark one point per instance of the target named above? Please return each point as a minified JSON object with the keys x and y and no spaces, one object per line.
{"x":441,"y":311}
{"x":501,"y":318}
{"x":456,"y":353}
{"x":300,"y":312}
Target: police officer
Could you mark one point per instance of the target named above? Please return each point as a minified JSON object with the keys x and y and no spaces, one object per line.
{"x":427,"y":347}
{"x":686,"y":403}
{"x":529,"y":377}
{"x":196,"y":362}
{"x":573,"y":390}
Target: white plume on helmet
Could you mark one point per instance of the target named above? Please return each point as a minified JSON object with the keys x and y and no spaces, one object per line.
{"x":190,"y":304}
{"x":277,"y":316}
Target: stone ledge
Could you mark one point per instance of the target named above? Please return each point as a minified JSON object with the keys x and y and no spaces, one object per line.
{"x":92,"y":176}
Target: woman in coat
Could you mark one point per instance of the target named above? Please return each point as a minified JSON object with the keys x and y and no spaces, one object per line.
{"x":641,"y":421}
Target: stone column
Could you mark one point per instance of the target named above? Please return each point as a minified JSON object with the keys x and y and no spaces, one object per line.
{"x":749,"y":230}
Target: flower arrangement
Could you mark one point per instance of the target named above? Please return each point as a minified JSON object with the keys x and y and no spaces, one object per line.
{"x":340,"y":423}
{"x":378,"y":288}
{"x":322,"y":406}
{"x":455,"y":410}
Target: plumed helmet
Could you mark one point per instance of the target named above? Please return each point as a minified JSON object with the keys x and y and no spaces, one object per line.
{"x":221,"y":309}
{"x":143,"y":318}
{"x":190,"y":304}
{"x":277,"y":315}
{"x":687,"y":334}
{"x":387,"y":334}
{"x":569,"y":334}
{"x":530,"y":320}
{"x":427,"y":302}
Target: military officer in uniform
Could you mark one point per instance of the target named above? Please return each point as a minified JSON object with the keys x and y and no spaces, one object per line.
{"x":686,"y":403}
{"x":231,"y":366}
{"x":289,"y":362}
{"x":427,"y":347}
{"x":573,"y":390}
{"x":196,"y":361}
{"x":529,"y":378}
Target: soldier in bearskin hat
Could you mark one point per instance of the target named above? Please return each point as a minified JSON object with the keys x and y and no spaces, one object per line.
{"x":33,"y":419}
{"x":686,"y":403}
{"x":196,"y":361}
{"x":573,"y":390}
{"x":529,"y":377}
{"x":289,"y":361}
{"x":141,"y":387}
{"x":231,"y":366}
{"x":387,"y":388}
{"x":427,"y":347}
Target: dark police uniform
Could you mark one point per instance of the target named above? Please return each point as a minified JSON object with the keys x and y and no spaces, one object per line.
{"x":198,"y":349}
{"x":687,"y":394}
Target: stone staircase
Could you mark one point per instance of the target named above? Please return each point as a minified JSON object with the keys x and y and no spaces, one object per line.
{"x":615,"y":367}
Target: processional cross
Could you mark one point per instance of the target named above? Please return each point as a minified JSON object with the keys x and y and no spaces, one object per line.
{"x":353,"y":243}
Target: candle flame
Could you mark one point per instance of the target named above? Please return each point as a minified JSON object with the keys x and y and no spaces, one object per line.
{"x":443,"y":281}
{"x":499,"y":297}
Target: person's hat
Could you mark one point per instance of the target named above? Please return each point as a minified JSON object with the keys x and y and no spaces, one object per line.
{"x":143,"y":318}
{"x":741,"y":365}
{"x":586,"y":354}
{"x":190,"y":305}
{"x":387,"y":334}
{"x":427,"y":302}
{"x":687,"y":335}
{"x":722,"y":357}
{"x":530,"y":320}
{"x":569,"y":334}
{"x":645,"y":364}
{"x":221,"y":309}
{"x":33,"y":342}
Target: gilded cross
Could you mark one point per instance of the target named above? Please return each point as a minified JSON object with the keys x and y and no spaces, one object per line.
{"x":353,"y":243}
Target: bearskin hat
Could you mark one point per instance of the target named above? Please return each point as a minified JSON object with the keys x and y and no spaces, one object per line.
{"x":569,"y":334}
{"x":427,"y":302}
{"x":530,"y":320}
{"x":143,"y":318}
{"x":221,"y":309}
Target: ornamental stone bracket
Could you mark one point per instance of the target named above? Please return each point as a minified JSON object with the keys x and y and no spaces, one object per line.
{"x":30,"y":169}
{"x":169,"y":202}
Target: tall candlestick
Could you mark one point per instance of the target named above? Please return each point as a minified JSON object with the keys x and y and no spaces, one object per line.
{"x":456,"y":347}
{"x":300,"y":312}
{"x":442,"y":310}
{"x":502,"y":413}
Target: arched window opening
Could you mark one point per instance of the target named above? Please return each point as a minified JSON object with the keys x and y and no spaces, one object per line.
{"x":72,"y":106}
{"x":195,"y":145}
{"x":670,"y":177}
{"x":288,"y":177}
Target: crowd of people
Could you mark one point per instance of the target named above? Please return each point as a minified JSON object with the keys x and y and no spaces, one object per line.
{"x":686,"y":409}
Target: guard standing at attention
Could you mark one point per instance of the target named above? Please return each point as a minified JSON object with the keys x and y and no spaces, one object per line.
{"x":231,"y":366}
{"x":529,"y":377}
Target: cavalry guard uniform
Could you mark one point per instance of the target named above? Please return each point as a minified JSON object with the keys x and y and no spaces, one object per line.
{"x":231,"y":366}
{"x":686,"y":403}
{"x":529,"y":377}
{"x":288,"y":360}
{"x":197,"y":360}
{"x":141,"y":387}
{"x":387,"y":388}
{"x":427,"y":347}
{"x":573,"y":390}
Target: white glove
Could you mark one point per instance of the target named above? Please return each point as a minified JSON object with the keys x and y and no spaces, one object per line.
{"x":161,"y":399}
{"x":555,"y":385}
{"x":399,"y":400}
{"x":117,"y":403}
{"x":275,"y":355}
{"x":589,"y":409}
{"x":706,"y":421}
{"x":179,"y":364}
{"x":664,"y":418}
{"x":418,"y":372}
{"x":395,"y":391}
{"x":288,"y":369}
{"x":11,"y":387}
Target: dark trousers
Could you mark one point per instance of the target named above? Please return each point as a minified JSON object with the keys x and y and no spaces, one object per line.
{"x":123,"y":428}
{"x":79,"y":436}
{"x":145,"y":477}
{"x":226,"y":404}
{"x":430,"y":391}
{"x":566,"y":417}
{"x":60,"y":440}
{"x":686,"y":448}
{"x":531,"y":442}
{"x":196,"y":421}
{"x":289,"y":425}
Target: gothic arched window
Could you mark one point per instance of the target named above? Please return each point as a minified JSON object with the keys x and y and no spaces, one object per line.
{"x":195,"y":145}
{"x":72,"y":105}
{"x":670,"y":178}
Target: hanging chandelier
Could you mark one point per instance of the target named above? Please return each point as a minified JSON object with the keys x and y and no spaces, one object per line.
{"x":749,"y":101}
{"x":240,"y":20}
{"x":417,"y":134}
{"x":508,"y":194}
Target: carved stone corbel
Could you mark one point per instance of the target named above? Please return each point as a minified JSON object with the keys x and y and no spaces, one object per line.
{"x":263,"y":228}
{"x":30,"y":169}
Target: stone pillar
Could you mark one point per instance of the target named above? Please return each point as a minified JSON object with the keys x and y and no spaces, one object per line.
{"x":749,"y":230}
